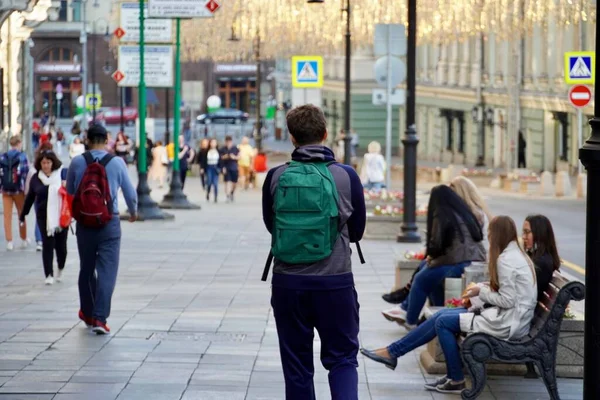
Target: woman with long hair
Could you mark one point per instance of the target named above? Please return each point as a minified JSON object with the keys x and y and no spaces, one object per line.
{"x":454,"y":240}
{"x":540,"y":245}
{"x":467,"y":191}
{"x":510,"y":299}
{"x":44,"y":192}
{"x":122,"y":146}
{"x":201,"y":160}
{"x":373,"y":169}
{"x":160,"y":162}
{"x":213,"y":166}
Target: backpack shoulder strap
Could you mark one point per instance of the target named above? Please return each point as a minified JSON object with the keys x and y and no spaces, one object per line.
{"x":89,"y":158}
{"x":106,"y":159}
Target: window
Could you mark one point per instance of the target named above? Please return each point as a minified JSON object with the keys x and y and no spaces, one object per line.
{"x":563,"y":135}
{"x":58,"y":54}
{"x":63,"y":11}
{"x":76,"y":5}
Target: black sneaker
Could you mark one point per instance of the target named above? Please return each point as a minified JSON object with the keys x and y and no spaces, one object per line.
{"x":433,"y":386}
{"x":397,"y":296}
{"x":451,"y":388}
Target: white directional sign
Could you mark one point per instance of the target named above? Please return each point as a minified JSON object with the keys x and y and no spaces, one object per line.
{"x":158,"y":66}
{"x":183,"y":8}
{"x":155,"y":30}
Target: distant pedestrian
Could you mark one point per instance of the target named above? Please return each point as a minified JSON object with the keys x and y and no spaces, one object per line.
{"x":60,"y":141}
{"x":98,"y":239}
{"x":213,"y":167}
{"x":44,"y":193}
{"x":123,"y":147}
{"x":314,"y":208}
{"x":230,"y":157}
{"x":522,"y":151}
{"x":374,"y":168}
{"x":32,"y":172}
{"x":76,"y":148}
{"x":246,"y":156}
{"x":160,"y":162}
{"x":186,"y":156}
{"x":14,"y":168}
{"x":201,"y":160}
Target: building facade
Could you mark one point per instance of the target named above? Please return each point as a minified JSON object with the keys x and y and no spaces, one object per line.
{"x":476,"y":97}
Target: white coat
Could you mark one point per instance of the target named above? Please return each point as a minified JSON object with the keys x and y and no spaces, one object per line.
{"x":514,"y":303}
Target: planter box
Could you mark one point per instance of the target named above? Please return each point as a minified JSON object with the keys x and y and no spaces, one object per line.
{"x":404,"y":271}
{"x":481,"y":181}
{"x":569,"y":357}
{"x":386,"y":227}
{"x":371,"y":204}
{"x":529,"y":187}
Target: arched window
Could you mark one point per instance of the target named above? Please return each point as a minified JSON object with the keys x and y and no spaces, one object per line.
{"x":58,"y":54}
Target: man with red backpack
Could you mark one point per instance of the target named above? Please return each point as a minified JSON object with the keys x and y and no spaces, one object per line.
{"x":14,"y":168}
{"x":94,"y":179}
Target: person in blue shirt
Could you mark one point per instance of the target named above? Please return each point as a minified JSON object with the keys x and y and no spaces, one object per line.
{"x":99,"y":248}
{"x":229,"y":157}
{"x":318,"y":295}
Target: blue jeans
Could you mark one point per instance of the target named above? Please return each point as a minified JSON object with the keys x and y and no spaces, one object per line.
{"x":445,"y":324}
{"x":429,"y":282}
{"x":212,"y":180}
{"x":99,"y":263}
{"x":38,"y":233}
{"x":377,"y":186}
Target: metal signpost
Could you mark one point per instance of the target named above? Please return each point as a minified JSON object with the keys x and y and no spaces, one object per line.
{"x":179,"y":9}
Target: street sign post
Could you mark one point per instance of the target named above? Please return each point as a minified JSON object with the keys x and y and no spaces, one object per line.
{"x":307,"y":71}
{"x":580,"y":96}
{"x":580,"y":67}
{"x":183,"y":8}
{"x":158,"y":65}
{"x":159,"y":30}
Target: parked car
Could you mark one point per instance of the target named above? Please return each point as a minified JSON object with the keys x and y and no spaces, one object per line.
{"x":223,"y":116}
{"x":112,"y":115}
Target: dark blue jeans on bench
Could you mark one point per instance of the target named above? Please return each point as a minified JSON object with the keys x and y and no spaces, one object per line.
{"x":445,"y":324}
{"x":429,"y":282}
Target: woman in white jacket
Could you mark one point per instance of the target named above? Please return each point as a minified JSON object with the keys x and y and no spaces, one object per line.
{"x":374,"y":168}
{"x":509,"y":302}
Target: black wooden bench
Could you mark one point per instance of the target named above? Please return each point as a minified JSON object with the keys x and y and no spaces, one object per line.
{"x":539,"y":347}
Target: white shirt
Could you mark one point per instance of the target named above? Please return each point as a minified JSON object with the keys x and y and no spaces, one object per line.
{"x":212,"y":157}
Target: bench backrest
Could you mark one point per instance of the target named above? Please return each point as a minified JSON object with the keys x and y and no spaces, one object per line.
{"x":550,"y":310}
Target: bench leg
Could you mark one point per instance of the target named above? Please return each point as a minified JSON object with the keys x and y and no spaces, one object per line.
{"x":478,"y":374}
{"x":531,"y":374}
{"x":548,"y":372}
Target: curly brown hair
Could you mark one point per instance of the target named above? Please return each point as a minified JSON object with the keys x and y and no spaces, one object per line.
{"x":47,"y":155}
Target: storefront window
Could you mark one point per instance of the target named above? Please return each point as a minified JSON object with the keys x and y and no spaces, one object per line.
{"x":62,"y":12}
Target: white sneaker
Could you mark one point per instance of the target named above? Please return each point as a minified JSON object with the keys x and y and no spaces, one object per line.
{"x":38,"y":246}
{"x":396,"y":314}
{"x":10,"y":246}
{"x":59,"y":275}
{"x":49,"y":280}
{"x":25,"y":243}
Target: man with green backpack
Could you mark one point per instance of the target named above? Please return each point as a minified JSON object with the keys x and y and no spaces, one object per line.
{"x":314,"y":208}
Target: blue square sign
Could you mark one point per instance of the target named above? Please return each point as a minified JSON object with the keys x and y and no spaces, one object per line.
{"x":579,"y":67}
{"x":307,"y":71}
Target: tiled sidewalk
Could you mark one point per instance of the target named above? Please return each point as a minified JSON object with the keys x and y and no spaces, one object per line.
{"x":191,"y":320}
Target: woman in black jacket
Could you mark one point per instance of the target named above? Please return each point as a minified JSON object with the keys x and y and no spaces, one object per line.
{"x":44,"y":192}
{"x":540,"y":245}
{"x":201,"y":160}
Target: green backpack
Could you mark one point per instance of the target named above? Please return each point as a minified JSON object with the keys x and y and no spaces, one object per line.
{"x":306,"y":224}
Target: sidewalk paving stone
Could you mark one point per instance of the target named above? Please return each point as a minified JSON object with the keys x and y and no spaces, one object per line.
{"x":191,"y":320}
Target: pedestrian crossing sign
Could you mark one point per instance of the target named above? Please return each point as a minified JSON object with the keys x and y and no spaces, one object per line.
{"x":307,"y":71}
{"x":580,"y":67}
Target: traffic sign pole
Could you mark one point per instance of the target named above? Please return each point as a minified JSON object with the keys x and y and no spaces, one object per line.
{"x":176,"y":199}
{"x":147,"y":208}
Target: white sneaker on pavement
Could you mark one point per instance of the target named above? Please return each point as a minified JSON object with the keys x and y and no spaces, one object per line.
{"x":25,"y":243}
{"x":10,"y":246}
{"x":59,"y":275}
{"x":49,"y":280}
{"x":38,"y":246}
{"x":398,"y":315}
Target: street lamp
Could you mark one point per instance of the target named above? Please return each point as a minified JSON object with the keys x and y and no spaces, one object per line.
{"x":347,"y":135}
{"x":257,"y":41}
{"x":589,"y":155}
{"x":94,"y":51}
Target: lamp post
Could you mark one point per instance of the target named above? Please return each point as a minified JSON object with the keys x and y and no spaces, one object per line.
{"x":94,"y":51}
{"x":348,"y":97}
{"x":589,"y":155}
{"x":409,"y":231}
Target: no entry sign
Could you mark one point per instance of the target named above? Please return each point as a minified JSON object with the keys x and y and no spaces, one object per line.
{"x":580,"y":96}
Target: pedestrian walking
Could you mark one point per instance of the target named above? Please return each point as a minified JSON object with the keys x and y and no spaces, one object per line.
{"x":60,"y":141}
{"x":98,"y":238}
{"x":213,"y":166}
{"x":44,"y":193}
{"x":374,"y":168}
{"x":160,"y":162}
{"x":76,"y":148}
{"x":314,"y":208}
{"x":246,"y":157}
{"x":186,"y":156}
{"x":201,"y":160}
{"x":230,"y":157}
{"x":123,"y":147}
{"x":14,"y":168}
{"x":521,"y":151}
{"x":30,"y":174}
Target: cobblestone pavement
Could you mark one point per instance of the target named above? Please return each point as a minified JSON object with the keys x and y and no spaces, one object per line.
{"x":191,"y":320}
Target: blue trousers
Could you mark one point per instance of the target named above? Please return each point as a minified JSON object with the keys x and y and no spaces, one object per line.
{"x":334,"y":314}
{"x":445,"y":324}
{"x":99,"y":263}
{"x":429,"y":282}
{"x":212,"y":180}
{"x":38,"y":233}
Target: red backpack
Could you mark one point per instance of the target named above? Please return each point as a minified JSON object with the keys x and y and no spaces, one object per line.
{"x":92,"y":204}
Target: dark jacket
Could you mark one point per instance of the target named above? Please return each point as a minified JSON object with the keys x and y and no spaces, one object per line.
{"x":544,"y":269}
{"x":201,"y":158}
{"x":443,"y":253}
{"x":334,"y":272}
{"x":38,"y":194}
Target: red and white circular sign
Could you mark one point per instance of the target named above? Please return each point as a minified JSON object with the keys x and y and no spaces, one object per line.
{"x":580,"y":96}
